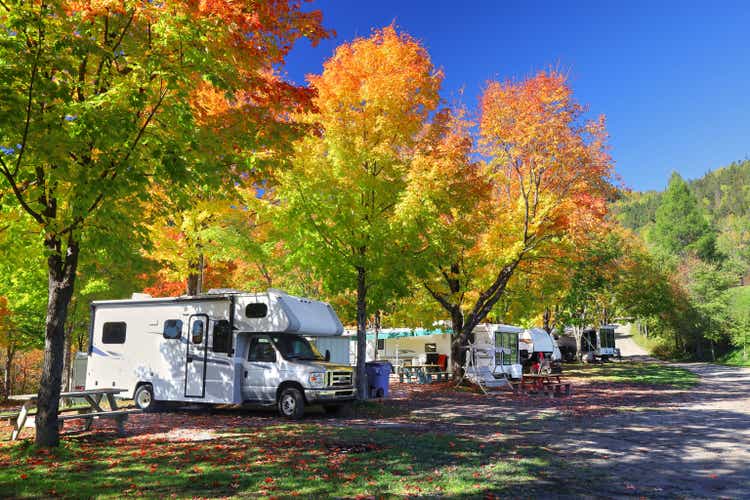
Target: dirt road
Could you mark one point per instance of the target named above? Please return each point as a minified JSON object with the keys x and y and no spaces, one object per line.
{"x":697,"y":447}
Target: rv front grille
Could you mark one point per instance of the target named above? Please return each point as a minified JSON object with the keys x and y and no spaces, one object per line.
{"x":339,"y":379}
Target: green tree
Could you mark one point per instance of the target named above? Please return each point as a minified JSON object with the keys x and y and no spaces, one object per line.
{"x":96,"y":103}
{"x":339,"y":197}
{"x":680,"y":225}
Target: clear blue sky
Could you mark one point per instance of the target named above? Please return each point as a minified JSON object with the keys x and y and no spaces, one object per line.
{"x":673,"y":78}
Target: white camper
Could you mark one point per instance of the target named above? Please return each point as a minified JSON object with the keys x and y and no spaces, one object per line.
{"x":225,"y":347}
{"x":600,"y":343}
{"x":504,"y":359}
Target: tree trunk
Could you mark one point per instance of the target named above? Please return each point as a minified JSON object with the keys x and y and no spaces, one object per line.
{"x":195,"y":277}
{"x":458,"y":341}
{"x":9,"y":353}
{"x":61,"y":273}
{"x":547,"y":320}
{"x":361,"y":332}
{"x":66,"y":359}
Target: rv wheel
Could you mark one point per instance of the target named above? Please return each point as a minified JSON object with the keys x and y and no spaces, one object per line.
{"x":144,"y":398}
{"x":291,"y":403}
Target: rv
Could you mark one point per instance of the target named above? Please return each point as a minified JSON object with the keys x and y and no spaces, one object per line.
{"x":225,"y":347}
{"x":505,"y":360}
{"x":600,"y":343}
{"x":537,"y":344}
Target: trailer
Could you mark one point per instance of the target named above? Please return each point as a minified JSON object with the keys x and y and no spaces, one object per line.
{"x":505,"y":359}
{"x":224,"y":347}
{"x":539,"y":346}
{"x":599,"y":342}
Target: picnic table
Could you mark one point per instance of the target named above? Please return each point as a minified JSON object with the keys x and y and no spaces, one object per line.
{"x":422,"y":373}
{"x":550,"y":383}
{"x":93,"y":409}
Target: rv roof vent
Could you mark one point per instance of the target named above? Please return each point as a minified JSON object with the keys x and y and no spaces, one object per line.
{"x":221,"y":291}
{"x":140,"y":296}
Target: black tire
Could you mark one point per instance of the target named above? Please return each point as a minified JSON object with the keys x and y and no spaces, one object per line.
{"x":291,"y":403}
{"x":144,"y":398}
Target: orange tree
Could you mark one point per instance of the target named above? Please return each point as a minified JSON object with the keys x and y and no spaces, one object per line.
{"x":547,"y":172}
{"x":338,"y":199}
{"x":96,"y":105}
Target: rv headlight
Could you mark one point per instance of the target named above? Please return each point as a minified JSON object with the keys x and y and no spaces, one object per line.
{"x":317,"y":379}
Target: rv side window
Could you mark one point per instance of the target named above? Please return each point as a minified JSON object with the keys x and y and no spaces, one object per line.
{"x":381,"y":344}
{"x":222,"y":341}
{"x":256,"y":310}
{"x":430,"y":348}
{"x":113,"y":333}
{"x":197,"y":332}
{"x":173,"y":329}
{"x":261,"y":349}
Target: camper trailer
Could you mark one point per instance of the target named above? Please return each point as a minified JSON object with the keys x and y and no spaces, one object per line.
{"x":504,"y":360}
{"x":536,"y":344}
{"x":225,"y":347}
{"x":600,"y":343}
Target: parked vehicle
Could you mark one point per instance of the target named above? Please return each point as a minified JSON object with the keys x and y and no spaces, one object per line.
{"x":538,"y":346}
{"x":225,"y":347}
{"x":599,"y":342}
{"x":504,"y":360}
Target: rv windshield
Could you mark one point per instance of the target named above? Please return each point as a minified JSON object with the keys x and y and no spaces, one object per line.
{"x":296,"y":347}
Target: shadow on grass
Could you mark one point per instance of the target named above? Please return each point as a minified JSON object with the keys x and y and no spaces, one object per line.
{"x":287,"y":460}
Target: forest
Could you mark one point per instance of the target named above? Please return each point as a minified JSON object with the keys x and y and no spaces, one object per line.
{"x":134,"y":162}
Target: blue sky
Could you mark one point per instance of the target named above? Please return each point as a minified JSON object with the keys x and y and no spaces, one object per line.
{"x":672,"y":78}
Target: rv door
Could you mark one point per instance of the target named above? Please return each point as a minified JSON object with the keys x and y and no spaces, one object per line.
{"x":195,"y":364}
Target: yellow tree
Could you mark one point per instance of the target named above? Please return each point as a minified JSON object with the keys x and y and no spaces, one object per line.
{"x":547,"y":171}
{"x":338,"y":198}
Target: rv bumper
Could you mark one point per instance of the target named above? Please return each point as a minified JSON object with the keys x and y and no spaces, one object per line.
{"x":326,"y":395}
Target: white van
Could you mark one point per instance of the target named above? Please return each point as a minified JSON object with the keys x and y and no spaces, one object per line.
{"x":225,"y":347}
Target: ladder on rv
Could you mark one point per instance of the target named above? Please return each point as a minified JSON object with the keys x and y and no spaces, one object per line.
{"x":482,"y":375}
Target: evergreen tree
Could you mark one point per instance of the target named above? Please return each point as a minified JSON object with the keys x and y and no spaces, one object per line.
{"x":681,"y":226}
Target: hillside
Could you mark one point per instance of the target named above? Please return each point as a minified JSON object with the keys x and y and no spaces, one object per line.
{"x":724,"y":195}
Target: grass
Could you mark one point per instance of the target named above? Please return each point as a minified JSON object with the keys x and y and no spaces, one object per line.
{"x":303,"y":460}
{"x":635,"y":373}
{"x":735,"y":358}
{"x":650,"y":344}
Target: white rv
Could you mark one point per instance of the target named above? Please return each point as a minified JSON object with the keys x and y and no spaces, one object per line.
{"x":601,"y":342}
{"x":225,"y":347}
{"x":504,"y":359}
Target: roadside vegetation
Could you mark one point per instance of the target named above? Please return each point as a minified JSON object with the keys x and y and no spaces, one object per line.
{"x":655,"y":374}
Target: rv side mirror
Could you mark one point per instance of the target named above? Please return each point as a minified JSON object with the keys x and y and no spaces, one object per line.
{"x":328,"y":355}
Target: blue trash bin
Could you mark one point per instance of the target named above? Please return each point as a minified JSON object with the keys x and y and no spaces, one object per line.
{"x":378,"y":373}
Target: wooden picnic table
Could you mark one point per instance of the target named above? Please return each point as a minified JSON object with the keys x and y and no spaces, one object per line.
{"x":422,"y":373}
{"x":552,"y":382}
{"x":93,"y":398}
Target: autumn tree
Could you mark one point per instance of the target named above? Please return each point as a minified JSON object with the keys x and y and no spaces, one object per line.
{"x":339,"y":196}
{"x":548,"y":172}
{"x":95,"y":99}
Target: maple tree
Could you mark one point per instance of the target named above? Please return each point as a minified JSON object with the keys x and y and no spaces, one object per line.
{"x":339,"y":196}
{"x":548,"y":172}
{"x":96,"y":98}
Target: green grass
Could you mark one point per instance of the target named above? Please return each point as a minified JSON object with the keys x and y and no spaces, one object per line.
{"x":636,"y":373}
{"x":650,"y":344}
{"x":303,"y":460}
{"x":735,"y":358}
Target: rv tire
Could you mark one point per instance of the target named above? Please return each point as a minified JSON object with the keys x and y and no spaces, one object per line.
{"x":144,"y":397}
{"x":291,"y":403}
